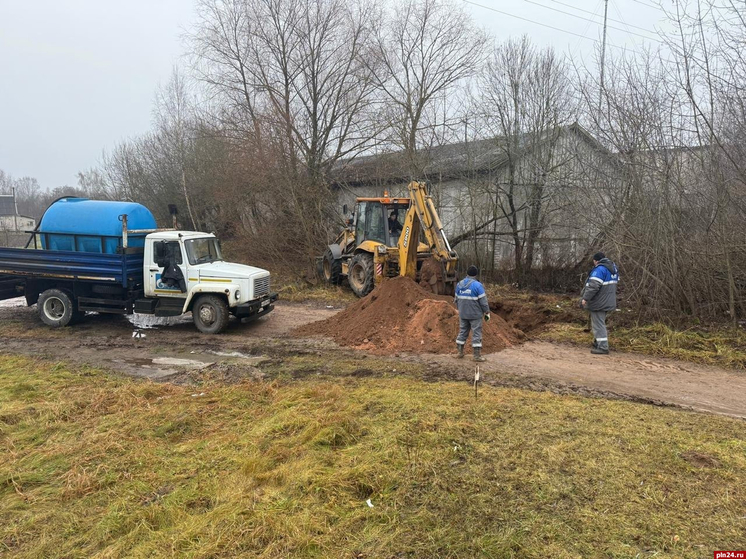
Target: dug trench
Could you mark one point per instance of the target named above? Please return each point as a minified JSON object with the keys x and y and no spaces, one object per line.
{"x":411,"y":337}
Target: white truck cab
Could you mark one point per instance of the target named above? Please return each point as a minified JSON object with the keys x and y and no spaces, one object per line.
{"x":185,"y":270}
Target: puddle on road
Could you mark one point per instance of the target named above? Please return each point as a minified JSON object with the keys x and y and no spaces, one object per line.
{"x":177,"y":362}
{"x":250,"y":359}
{"x":230,"y":354}
{"x":159,"y":367}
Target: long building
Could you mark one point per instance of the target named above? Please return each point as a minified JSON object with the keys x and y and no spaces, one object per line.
{"x":499,"y":195}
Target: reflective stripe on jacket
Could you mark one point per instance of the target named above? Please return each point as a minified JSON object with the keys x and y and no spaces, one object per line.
{"x":471,"y":300}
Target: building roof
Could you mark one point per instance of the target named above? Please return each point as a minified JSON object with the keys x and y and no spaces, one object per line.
{"x":7,"y":204}
{"x":447,"y":161}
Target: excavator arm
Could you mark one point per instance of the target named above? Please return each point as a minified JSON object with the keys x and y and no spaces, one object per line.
{"x":440,"y":271}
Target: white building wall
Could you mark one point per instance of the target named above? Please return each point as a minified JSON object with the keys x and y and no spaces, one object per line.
{"x":16,"y":223}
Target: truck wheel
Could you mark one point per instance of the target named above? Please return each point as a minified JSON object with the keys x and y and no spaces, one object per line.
{"x":56,"y":308}
{"x":331,"y":268}
{"x":210,"y":314}
{"x":360,"y":275}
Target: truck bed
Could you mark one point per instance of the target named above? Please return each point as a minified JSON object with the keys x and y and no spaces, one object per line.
{"x":115,"y":269}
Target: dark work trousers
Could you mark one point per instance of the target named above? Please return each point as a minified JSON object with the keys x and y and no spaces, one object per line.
{"x":475,"y":325}
{"x":598,"y":325}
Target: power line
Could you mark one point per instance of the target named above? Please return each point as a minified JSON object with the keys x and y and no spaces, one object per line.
{"x":547,"y":25}
{"x":586,"y":19}
{"x":594,"y":14}
{"x":587,"y":26}
{"x":619,"y":13}
{"x":648,"y":5}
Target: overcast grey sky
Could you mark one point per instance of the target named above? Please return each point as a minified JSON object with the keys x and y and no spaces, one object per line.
{"x":78,"y":76}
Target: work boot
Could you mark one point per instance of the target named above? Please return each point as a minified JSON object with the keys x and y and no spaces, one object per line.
{"x":478,"y":354}
{"x":460,"y":349}
{"x":599,"y":351}
{"x":595,"y":344}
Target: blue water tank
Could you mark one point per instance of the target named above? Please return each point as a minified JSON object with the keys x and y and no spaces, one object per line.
{"x":84,"y":225}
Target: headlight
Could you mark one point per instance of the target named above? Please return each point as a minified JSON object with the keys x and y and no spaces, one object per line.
{"x":238,"y":294}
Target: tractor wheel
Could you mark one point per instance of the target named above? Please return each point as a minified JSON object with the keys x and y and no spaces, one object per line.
{"x":361,"y":274}
{"x":56,"y":308}
{"x":331,"y":268}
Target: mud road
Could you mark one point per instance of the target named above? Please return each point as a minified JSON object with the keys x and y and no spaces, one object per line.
{"x":172,"y":350}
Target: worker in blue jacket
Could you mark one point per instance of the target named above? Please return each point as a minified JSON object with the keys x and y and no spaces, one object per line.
{"x":599,"y":298}
{"x":471,"y":301}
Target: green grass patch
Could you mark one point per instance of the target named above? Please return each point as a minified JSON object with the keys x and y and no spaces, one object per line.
{"x":101,"y":466}
{"x":725,"y":347}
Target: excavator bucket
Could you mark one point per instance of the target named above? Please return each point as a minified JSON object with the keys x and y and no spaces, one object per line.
{"x":433,"y":277}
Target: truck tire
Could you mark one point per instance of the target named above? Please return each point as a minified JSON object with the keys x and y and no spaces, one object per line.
{"x":331,"y":268}
{"x":360,"y":275}
{"x":210,"y":314}
{"x":56,"y":308}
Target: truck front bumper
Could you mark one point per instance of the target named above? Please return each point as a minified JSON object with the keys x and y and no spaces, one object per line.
{"x":256,"y":308}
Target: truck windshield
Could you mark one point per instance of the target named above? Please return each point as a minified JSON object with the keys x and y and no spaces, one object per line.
{"x":200,"y":251}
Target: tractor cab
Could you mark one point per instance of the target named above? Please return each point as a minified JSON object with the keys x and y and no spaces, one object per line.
{"x":379,"y":220}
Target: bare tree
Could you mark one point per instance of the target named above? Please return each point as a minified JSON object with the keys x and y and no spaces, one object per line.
{"x":425,"y":50}
{"x":526,"y":99}
{"x":291,"y":79}
{"x":299,"y":73}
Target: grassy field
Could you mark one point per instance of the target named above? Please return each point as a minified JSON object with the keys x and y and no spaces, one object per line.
{"x":100,"y":466}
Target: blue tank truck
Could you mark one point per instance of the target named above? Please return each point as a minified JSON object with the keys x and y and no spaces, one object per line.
{"x":110,"y":257}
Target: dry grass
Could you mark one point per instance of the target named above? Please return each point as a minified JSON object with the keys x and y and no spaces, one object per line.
{"x":302,"y":292}
{"x":97,"y":466}
{"x":725,"y":347}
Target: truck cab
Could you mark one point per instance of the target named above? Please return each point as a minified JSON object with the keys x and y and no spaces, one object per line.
{"x":182,"y":268}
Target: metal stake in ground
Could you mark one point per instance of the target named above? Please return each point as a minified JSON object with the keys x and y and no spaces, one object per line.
{"x":476,"y":381}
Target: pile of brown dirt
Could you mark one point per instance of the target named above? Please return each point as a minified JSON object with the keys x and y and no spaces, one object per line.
{"x":399,"y":315}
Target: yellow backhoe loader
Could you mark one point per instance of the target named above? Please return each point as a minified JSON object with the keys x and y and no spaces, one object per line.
{"x":389,"y":237}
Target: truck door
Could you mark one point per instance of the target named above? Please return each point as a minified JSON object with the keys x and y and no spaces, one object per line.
{"x":167,"y":272}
